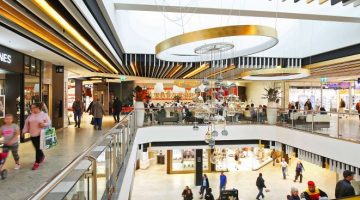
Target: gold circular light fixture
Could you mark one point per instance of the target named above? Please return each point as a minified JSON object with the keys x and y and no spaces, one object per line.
{"x":246,"y":40}
{"x":275,"y":74}
{"x":187,"y":83}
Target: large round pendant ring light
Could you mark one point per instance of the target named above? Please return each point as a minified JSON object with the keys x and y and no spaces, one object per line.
{"x":242,"y":39}
{"x":275,"y":74}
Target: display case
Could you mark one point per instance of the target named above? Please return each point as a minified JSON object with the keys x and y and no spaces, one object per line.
{"x":183,"y":161}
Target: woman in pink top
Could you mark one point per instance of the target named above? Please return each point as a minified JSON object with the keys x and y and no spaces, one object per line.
{"x":33,"y":125}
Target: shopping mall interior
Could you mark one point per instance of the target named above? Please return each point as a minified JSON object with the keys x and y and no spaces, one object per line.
{"x":179,"y":99}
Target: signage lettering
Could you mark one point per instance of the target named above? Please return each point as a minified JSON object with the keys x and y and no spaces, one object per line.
{"x":6,"y":58}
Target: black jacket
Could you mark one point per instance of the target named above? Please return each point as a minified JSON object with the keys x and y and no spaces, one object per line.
{"x":344,"y":189}
{"x":207,"y":183}
{"x":209,"y":196}
{"x":260,"y":183}
{"x":117,"y":106}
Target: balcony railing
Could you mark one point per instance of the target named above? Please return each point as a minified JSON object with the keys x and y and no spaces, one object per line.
{"x":94,"y":174}
{"x":345,"y":126}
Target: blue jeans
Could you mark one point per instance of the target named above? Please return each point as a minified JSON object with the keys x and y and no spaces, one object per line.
{"x":284,"y":169}
{"x":98,"y":123}
{"x":77,"y":118}
{"x":260,"y":193}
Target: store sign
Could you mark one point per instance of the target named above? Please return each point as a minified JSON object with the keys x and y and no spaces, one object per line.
{"x":5,"y":58}
{"x":323,"y":80}
{"x":341,"y":85}
{"x":122,"y":78}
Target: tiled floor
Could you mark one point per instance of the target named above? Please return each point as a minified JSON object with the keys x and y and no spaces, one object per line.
{"x":154,"y":183}
{"x":72,"y":141}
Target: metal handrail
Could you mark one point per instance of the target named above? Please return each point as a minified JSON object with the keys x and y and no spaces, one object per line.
{"x":57,"y":178}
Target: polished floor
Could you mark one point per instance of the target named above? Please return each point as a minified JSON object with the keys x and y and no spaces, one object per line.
{"x":72,"y":141}
{"x":154,"y":183}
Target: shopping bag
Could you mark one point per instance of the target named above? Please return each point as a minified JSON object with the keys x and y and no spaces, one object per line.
{"x":48,"y":138}
{"x":42,"y":138}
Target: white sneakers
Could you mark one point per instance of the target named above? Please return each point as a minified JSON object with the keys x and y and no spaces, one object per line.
{"x":17,"y":167}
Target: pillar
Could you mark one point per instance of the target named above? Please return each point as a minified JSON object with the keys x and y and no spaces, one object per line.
{"x":198,"y":166}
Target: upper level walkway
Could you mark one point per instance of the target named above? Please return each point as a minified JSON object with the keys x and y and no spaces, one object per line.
{"x":71,"y":142}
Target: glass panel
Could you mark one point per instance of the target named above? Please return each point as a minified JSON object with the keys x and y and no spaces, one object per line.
{"x":27,"y":65}
{"x":31,"y":92}
{"x":101,"y":174}
{"x":32,"y":66}
{"x":80,"y":191}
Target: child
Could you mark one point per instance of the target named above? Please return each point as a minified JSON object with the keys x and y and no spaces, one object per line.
{"x":11,"y":132}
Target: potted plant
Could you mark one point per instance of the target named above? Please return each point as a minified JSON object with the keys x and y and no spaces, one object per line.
{"x":140,"y":95}
{"x":272,"y":95}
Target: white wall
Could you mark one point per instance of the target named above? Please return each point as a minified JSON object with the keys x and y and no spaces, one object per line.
{"x":255,"y":91}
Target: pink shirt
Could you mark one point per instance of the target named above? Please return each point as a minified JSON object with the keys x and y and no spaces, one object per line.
{"x":32,"y":123}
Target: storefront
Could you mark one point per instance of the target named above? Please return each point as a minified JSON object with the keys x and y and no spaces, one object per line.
{"x":20,"y":84}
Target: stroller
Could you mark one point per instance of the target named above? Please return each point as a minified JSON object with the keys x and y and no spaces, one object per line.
{"x":3,"y":172}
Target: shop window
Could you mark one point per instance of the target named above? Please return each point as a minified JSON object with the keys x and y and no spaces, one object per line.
{"x":27,"y":65}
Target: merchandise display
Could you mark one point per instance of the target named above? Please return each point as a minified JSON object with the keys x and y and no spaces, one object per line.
{"x":240,"y":159}
{"x":184,"y":160}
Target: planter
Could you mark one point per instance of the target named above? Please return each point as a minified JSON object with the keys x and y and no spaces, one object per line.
{"x":139,"y":113}
{"x":271,"y":112}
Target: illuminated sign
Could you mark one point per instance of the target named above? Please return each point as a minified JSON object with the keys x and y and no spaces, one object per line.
{"x":5,"y":58}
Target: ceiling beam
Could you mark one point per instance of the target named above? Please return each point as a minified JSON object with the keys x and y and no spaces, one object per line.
{"x":357,"y":3}
{"x":234,"y":12}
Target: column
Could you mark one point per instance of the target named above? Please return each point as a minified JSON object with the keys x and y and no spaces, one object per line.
{"x":198,"y":166}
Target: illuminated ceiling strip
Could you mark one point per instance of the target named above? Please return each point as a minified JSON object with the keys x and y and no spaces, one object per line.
{"x":309,"y":1}
{"x":168,"y":70}
{"x":19,"y":19}
{"x":231,"y":67}
{"x":45,"y":7}
{"x":133,"y":67}
{"x":89,"y":17}
{"x":322,"y":1}
{"x":203,"y":67}
{"x":174,"y":71}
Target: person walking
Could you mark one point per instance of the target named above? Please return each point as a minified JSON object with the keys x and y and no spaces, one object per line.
{"x":187,"y":193}
{"x":204,"y":185}
{"x":97,"y":112}
{"x":312,"y":192}
{"x":344,"y":187}
{"x":358,"y":108}
{"x":273,"y":156}
{"x":294,"y":194}
{"x":284,"y":166}
{"x":35,"y":122}
{"x":298,"y":171}
{"x":209,"y":195}
{"x":11,"y":131}
{"x":223,"y":181}
{"x":260,"y":184}
{"x":78,"y":109}
{"x":342,"y":107}
{"x":117,"y":107}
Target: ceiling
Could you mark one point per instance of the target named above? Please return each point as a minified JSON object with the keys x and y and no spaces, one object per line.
{"x":303,"y":29}
{"x":23,"y":45}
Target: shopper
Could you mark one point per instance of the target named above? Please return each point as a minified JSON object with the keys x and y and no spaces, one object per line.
{"x":294,"y":194}
{"x":313,"y":193}
{"x":284,"y":166}
{"x":117,"y":107}
{"x":308,"y":105}
{"x":209,"y":195}
{"x":223,"y":181}
{"x":204,"y":185}
{"x":298,"y":171}
{"x":358,"y":108}
{"x":11,"y":131}
{"x":342,"y":106}
{"x":344,"y":187}
{"x":97,"y":112}
{"x":35,"y":122}
{"x":78,"y":109}
{"x":273,"y":156}
{"x":187,"y":193}
{"x":260,"y":184}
